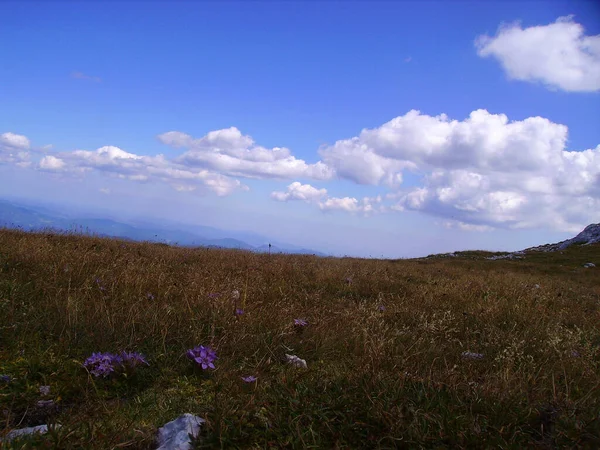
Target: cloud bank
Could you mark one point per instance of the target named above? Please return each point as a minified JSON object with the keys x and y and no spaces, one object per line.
{"x":478,"y":173}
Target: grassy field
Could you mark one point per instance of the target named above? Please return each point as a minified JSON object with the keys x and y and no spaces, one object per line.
{"x":384,"y":345}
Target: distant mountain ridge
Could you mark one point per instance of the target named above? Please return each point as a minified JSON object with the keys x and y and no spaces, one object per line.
{"x":14,"y":215}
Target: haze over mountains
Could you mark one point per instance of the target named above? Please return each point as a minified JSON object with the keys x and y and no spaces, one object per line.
{"x":36,"y":216}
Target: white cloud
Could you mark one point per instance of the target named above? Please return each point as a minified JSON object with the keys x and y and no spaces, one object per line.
{"x":229,"y":152}
{"x":14,"y":149}
{"x":51,"y":163}
{"x":116,"y":162}
{"x":352,"y":205}
{"x":319,"y":197}
{"x":559,"y":55}
{"x":483,"y":171}
{"x":14,"y":141}
{"x":299,"y":191}
{"x":105,"y":191}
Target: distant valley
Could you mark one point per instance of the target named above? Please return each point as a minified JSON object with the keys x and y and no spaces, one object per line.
{"x":28,"y":217}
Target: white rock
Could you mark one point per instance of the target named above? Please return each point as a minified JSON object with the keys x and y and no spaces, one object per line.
{"x":295,"y":361}
{"x":175,"y":435}
{"x":589,"y":265}
{"x":40,"y":429}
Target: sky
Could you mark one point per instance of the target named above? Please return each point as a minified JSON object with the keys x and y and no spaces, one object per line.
{"x":372,"y":129}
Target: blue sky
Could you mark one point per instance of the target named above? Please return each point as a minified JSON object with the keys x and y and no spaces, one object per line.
{"x":310,"y":77}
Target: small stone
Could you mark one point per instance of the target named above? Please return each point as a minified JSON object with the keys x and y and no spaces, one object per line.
{"x":589,"y":265}
{"x":296,"y":362}
{"x":175,"y":435}
{"x":40,"y":429}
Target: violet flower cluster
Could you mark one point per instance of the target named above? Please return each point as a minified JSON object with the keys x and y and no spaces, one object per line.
{"x":105,"y":364}
{"x":205,"y":357}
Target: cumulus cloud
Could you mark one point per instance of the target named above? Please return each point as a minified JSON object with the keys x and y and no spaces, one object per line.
{"x":229,"y":152}
{"x":319,"y":197}
{"x":558,"y":55}
{"x":14,"y":149}
{"x":365,"y":206}
{"x":116,"y":162}
{"x":299,"y":191}
{"x":51,"y":163}
{"x":14,"y":141}
{"x":484,"y":170}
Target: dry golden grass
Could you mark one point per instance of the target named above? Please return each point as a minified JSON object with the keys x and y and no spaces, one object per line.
{"x":375,"y":379}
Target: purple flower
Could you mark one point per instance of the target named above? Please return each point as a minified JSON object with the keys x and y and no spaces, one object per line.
{"x":104,"y":364}
{"x":239,"y":311}
{"x":381,"y":308}
{"x":100,"y":364}
{"x":348,"y":280}
{"x":130,"y":360}
{"x":5,"y":378}
{"x":203,"y":356}
{"x":300,"y":322}
{"x":471,"y":355}
{"x":150,"y":296}
{"x":249,"y":379}
{"x":213,"y":295}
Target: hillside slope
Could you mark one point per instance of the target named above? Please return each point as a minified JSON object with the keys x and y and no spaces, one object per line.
{"x":456,"y":352}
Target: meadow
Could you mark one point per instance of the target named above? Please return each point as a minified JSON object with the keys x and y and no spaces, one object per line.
{"x":435,"y":352}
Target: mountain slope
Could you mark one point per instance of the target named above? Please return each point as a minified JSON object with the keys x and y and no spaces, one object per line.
{"x":31,"y":218}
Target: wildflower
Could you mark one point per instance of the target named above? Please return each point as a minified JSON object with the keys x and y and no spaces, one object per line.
{"x":150,"y":296}
{"x":471,"y":355}
{"x":213,"y":295}
{"x":45,"y":390}
{"x":249,"y":379}
{"x":239,"y":311}
{"x":100,"y":364}
{"x":235,"y":295}
{"x":348,"y":280}
{"x":104,"y":364}
{"x":130,"y":360}
{"x":296,"y":362}
{"x":381,"y":308}
{"x":300,"y":322}
{"x":5,"y":378}
{"x":203,"y":356}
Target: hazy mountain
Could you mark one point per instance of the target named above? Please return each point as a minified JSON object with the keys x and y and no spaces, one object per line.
{"x":35,"y":217}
